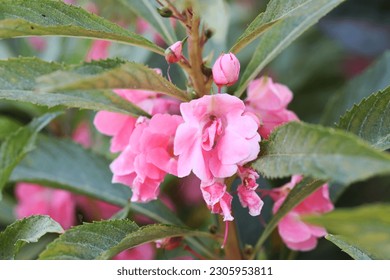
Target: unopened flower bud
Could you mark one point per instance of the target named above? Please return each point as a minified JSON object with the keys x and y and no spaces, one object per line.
{"x":165,"y":12}
{"x":174,"y":52}
{"x":226,"y":70}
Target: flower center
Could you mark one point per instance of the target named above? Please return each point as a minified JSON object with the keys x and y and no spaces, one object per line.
{"x":211,"y":132}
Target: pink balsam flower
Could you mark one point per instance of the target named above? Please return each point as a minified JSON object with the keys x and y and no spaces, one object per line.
{"x":98,"y":50}
{"x":121,"y":126}
{"x":269,"y":100}
{"x":218,"y":200}
{"x":295,"y":233}
{"x":148,"y":157}
{"x":226,"y":70}
{"x":216,"y":137}
{"x":38,"y":200}
{"x":246,"y":191}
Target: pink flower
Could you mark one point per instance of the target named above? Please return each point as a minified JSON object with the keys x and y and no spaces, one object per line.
{"x":38,"y":43}
{"x":99,"y":50}
{"x":247,"y":191}
{"x":226,"y":70}
{"x":296,"y":234}
{"x":217,"y":199}
{"x":141,"y":252}
{"x":82,"y":135}
{"x":37,"y":200}
{"x":121,"y":126}
{"x":148,"y":157}
{"x":95,"y":210}
{"x":215,"y":138}
{"x":173,"y":53}
{"x":269,"y":100}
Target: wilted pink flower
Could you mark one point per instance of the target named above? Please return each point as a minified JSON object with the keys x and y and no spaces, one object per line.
{"x":247,"y":191}
{"x":37,"y":200}
{"x":99,"y":50}
{"x":296,"y":234}
{"x":216,"y":137}
{"x":141,"y":252}
{"x":148,"y":157}
{"x":226,"y":70}
{"x":218,"y":200}
{"x":173,"y":53}
{"x":269,"y":100}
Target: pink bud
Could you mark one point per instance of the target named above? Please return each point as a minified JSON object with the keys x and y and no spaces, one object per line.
{"x":226,"y":70}
{"x":173,"y":53}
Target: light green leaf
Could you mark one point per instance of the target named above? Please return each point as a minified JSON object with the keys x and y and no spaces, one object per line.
{"x":370,"y":119}
{"x":28,"y":230}
{"x":148,"y":11}
{"x":348,"y":247}
{"x":18,"y":144}
{"x":108,"y":74}
{"x":7,"y":126}
{"x":319,"y":152}
{"x":21,"y":18}
{"x":366,"y":227}
{"x":302,"y":190}
{"x":18,"y":82}
{"x":374,"y":79}
{"x":105,"y":239}
{"x":293,"y":18}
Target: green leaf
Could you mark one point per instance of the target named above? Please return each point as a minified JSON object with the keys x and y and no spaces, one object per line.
{"x":105,"y":239}
{"x":18,"y":144}
{"x":319,"y":152}
{"x":366,"y":227}
{"x":348,"y":247}
{"x":109,"y":74}
{"x":274,"y":13}
{"x":18,"y":83}
{"x":302,"y":190}
{"x":374,"y":79}
{"x":370,"y":119}
{"x":7,"y":126}
{"x":7,"y":210}
{"x":21,"y":18}
{"x":293,"y":18}
{"x":148,"y":11}
{"x":58,"y":163}
{"x":28,"y":230}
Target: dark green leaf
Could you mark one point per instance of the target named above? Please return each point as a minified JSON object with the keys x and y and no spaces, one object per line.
{"x":21,"y":18}
{"x":108,"y":74}
{"x":18,"y":82}
{"x":57,"y":163}
{"x":293,"y":18}
{"x":28,"y":230}
{"x":348,"y":247}
{"x":367,"y":228}
{"x":65,"y":164}
{"x":148,"y":10}
{"x":370,"y":120}
{"x":105,"y":239}
{"x":18,"y":144}
{"x":319,"y":152}
{"x":374,"y":79}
